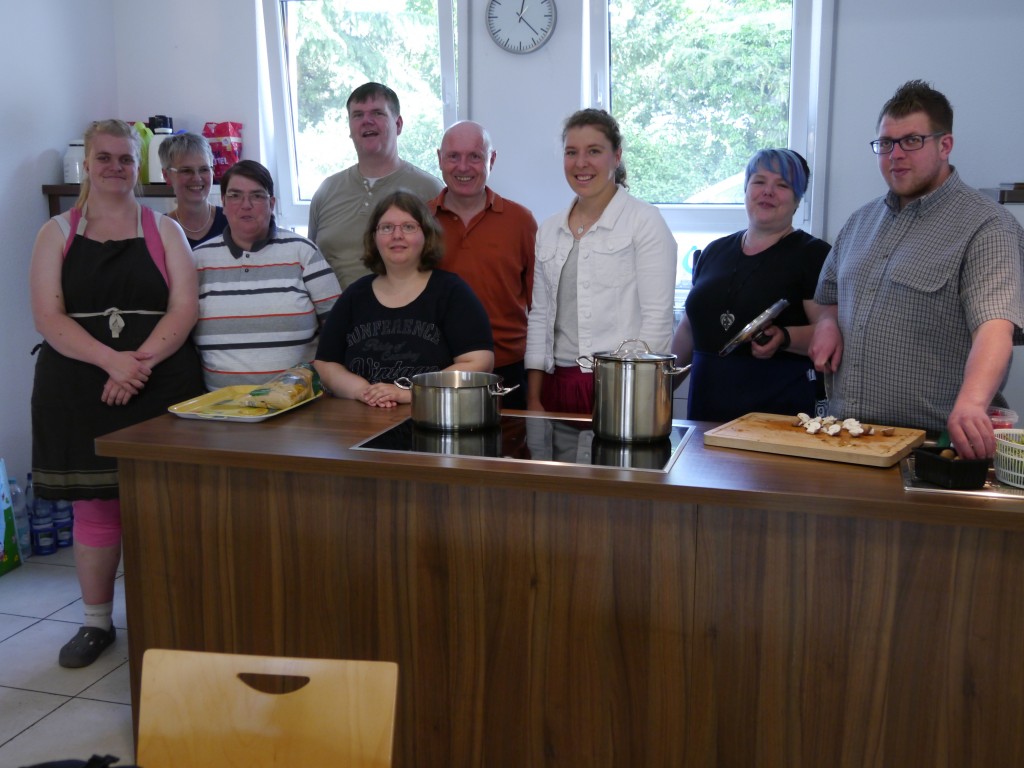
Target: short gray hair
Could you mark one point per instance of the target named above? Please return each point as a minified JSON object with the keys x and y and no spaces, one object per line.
{"x":180,"y":144}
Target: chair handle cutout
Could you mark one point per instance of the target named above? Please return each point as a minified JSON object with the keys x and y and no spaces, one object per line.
{"x":273,"y":683}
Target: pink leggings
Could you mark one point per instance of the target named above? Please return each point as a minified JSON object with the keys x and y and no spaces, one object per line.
{"x":98,"y":522}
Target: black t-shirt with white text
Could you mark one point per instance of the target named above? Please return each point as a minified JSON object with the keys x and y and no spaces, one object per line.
{"x":385,"y":343}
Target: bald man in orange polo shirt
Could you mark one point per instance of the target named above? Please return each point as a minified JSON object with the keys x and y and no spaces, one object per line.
{"x":489,"y":242}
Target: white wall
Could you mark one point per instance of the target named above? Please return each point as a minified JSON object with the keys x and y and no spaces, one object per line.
{"x":57,"y":73}
{"x":193,"y":60}
{"x":968,"y":50}
{"x":523,"y":100}
{"x":197,"y":60}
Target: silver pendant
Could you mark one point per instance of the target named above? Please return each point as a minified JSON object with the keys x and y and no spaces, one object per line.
{"x":727,"y":318}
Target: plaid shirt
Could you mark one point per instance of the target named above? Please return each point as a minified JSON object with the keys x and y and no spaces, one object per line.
{"x":912,"y":286}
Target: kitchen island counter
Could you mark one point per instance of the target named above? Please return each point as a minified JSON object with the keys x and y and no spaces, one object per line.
{"x":321,"y":438}
{"x":741,"y":609}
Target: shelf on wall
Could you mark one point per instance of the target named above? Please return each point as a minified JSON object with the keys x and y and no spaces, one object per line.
{"x":54,"y":192}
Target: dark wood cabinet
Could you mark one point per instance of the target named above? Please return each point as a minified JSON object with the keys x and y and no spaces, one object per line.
{"x":742,"y":609}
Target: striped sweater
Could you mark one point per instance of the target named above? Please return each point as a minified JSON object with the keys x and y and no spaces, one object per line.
{"x":259,"y":310}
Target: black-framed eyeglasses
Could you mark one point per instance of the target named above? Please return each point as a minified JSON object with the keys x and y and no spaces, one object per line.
{"x":910,"y":143}
{"x":255,"y":198}
{"x":408,"y":228}
{"x":203,"y":170}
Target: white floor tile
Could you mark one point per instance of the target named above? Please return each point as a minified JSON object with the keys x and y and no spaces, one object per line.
{"x":77,"y":730}
{"x":66,"y":556}
{"x":73,"y":611}
{"x":40,"y":610}
{"x":22,"y":709}
{"x":38,"y":590}
{"x":114,"y":687}
{"x":30,"y":660}
{"x":63,"y":556}
{"x":12,"y":625}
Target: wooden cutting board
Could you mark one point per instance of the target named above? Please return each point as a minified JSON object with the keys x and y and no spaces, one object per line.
{"x":775,"y":433}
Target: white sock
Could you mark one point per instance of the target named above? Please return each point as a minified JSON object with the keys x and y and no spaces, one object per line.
{"x":99,"y":615}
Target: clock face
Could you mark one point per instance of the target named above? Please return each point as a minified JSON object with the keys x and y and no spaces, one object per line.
{"x":520,"y":26}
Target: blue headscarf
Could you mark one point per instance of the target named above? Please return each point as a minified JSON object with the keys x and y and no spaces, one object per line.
{"x":790,"y":165}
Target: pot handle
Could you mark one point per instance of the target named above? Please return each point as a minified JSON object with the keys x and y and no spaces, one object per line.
{"x":497,"y":389}
{"x":402,"y":383}
{"x":585,"y":361}
{"x":677,"y":371}
{"x":641,"y":342}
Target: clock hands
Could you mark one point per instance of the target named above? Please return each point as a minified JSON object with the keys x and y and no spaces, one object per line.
{"x":529,"y":25}
{"x":520,"y":12}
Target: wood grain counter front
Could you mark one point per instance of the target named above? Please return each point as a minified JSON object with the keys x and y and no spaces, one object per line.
{"x":743,"y":609}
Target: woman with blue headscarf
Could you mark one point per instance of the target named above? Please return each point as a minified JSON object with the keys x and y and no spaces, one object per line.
{"x":735,"y":279}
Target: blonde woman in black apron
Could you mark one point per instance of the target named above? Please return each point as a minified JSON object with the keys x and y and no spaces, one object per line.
{"x":114,"y":296}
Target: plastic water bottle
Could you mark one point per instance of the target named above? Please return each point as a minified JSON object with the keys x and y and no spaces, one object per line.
{"x":63,"y":523}
{"x":22,"y":525}
{"x":30,"y":496}
{"x":44,"y":536}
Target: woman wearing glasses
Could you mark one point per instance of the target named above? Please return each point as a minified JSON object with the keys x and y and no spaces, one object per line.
{"x":188,"y":168}
{"x":262,"y":290}
{"x":406,"y":318}
{"x":114,"y":297}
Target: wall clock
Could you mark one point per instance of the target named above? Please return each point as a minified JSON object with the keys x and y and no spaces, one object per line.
{"x":520,"y":26}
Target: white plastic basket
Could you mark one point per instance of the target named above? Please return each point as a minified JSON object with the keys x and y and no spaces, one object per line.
{"x":1009,"y":459}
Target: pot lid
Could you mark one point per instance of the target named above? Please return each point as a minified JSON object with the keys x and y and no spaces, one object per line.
{"x":635,"y":350}
{"x":755,"y":326}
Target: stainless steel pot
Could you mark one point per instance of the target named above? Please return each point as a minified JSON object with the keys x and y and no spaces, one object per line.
{"x":454,"y":400}
{"x":632,"y":391}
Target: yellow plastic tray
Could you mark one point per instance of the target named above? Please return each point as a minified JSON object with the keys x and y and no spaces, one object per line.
{"x":218,"y":405}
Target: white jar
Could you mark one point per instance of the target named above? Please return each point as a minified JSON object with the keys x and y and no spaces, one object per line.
{"x":74,"y":162}
{"x":156,"y":175}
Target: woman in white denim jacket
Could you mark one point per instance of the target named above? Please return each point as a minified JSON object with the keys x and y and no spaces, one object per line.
{"x":605,"y":270}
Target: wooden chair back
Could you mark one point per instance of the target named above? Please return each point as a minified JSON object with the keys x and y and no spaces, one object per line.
{"x":215,"y":709}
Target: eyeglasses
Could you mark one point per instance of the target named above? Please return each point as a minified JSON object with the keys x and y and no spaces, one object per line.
{"x":234,"y":197}
{"x":408,"y":228}
{"x":910,"y":143}
{"x":203,"y":170}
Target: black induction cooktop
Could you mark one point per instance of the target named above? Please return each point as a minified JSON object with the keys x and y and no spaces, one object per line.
{"x":538,"y":439}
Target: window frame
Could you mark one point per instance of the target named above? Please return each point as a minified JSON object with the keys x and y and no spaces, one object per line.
{"x":810,"y":95}
{"x":280,"y":146}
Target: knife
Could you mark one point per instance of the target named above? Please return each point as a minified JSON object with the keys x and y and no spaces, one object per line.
{"x":755,"y":326}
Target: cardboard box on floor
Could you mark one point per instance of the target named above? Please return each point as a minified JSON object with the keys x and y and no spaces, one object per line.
{"x":9,"y":557}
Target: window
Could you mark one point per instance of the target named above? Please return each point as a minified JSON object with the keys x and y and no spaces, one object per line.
{"x":330,"y":47}
{"x":697,"y":88}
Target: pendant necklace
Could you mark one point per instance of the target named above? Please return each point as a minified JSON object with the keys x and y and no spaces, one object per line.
{"x":204,"y":225}
{"x":727,"y":318}
{"x":582,"y":223}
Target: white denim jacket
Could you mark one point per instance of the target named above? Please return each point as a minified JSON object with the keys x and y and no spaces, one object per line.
{"x":625,"y":284}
